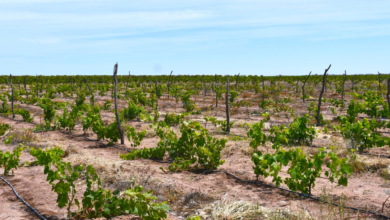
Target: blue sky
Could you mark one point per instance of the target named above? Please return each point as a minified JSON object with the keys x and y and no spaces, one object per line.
{"x":268,"y":37}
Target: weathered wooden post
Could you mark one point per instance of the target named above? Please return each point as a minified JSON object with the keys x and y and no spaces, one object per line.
{"x":25,"y":87}
{"x":303,"y":87}
{"x":388,"y":92}
{"x":227,"y":107}
{"x":155,"y":84}
{"x":204,"y":84}
{"x":216,"y":94}
{"x":37,"y":83}
{"x":379,"y":82}
{"x":169,"y":82}
{"x":322,"y":92}
{"x":12,"y":100}
{"x":237,"y":80}
{"x":93,"y":99}
{"x":345,"y":77}
{"x":116,"y":105}
{"x":262,"y":79}
{"x":77,"y":83}
{"x":81,"y":83}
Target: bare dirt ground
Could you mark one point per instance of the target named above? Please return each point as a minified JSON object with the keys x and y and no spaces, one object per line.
{"x":190,"y":193}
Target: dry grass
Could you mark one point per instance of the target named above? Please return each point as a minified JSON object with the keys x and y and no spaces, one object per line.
{"x":237,"y":146}
{"x":25,"y":136}
{"x":150,"y":133}
{"x":246,"y":95}
{"x":369,"y":164}
{"x":237,"y":210}
{"x":120,"y":175}
{"x":329,"y":211}
{"x":108,"y":170}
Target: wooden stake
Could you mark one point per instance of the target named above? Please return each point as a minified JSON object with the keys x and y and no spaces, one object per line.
{"x":216,"y":94}
{"x":25,"y":87}
{"x":155,"y":84}
{"x":322,"y":92}
{"x":12,"y":100}
{"x":237,"y":80}
{"x":303,"y":87}
{"x":204,"y":84}
{"x":37,"y":83}
{"x":116,"y":105}
{"x":388,"y":92}
{"x":345,"y":77}
{"x":169,"y":82}
{"x":93,"y":99}
{"x":262,"y":79}
{"x":227,"y":107}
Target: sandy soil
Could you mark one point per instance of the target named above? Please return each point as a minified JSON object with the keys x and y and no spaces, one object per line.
{"x":187,"y":192}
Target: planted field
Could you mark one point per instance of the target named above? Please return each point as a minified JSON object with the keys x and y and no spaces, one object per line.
{"x":195,"y":147}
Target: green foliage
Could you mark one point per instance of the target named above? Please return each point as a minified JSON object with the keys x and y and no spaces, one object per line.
{"x":375,"y":105}
{"x":215,"y":122}
{"x":361,"y":135}
{"x":257,"y":136}
{"x":80,"y":99}
{"x":195,"y":141}
{"x":138,"y":96}
{"x":4,"y":128}
{"x":63,"y":173}
{"x":107,"y":105}
{"x":303,"y":170}
{"x":97,"y":202}
{"x":354,"y":108}
{"x":174,"y":119}
{"x":92,"y":117}
{"x":270,"y":165}
{"x":280,"y":135}
{"x":339,"y":169}
{"x":233,"y":94}
{"x":186,"y":99}
{"x":8,"y":140}
{"x":301,"y":131}
{"x":4,"y":106}
{"x":134,"y":137}
{"x":10,"y":160}
{"x":218,"y":90}
{"x":25,"y":114}
{"x":133,"y":111}
{"x":175,"y":91}
{"x":112,"y":132}
{"x":66,"y":121}
{"x":195,"y":146}
{"x":49,"y":111}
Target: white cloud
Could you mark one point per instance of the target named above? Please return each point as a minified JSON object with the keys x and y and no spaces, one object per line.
{"x":96,"y":29}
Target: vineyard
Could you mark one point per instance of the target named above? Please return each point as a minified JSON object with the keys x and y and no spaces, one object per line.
{"x":195,"y":147}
